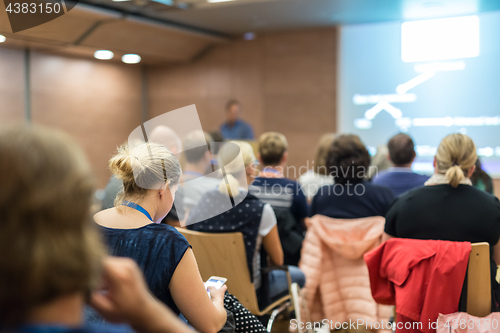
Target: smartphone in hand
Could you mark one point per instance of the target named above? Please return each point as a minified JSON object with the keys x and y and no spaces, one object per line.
{"x":215,"y":281}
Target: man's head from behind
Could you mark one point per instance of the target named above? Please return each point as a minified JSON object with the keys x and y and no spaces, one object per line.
{"x":166,"y":136}
{"x":273,"y":149}
{"x":401,"y":150}
{"x":233,"y":110}
{"x":197,"y":147}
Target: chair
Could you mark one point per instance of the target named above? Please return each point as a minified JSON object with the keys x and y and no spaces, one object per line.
{"x":223,"y":254}
{"x":479,"y":283}
{"x":301,"y":310}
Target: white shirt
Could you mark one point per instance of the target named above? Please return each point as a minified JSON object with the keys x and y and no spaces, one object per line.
{"x":267,"y":223}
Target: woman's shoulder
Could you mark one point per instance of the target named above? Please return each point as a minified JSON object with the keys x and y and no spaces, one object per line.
{"x":148,"y":232}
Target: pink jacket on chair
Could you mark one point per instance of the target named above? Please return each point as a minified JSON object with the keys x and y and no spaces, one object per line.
{"x":337,"y":281}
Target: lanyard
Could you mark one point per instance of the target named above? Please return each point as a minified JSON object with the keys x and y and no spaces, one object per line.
{"x":137,"y":207}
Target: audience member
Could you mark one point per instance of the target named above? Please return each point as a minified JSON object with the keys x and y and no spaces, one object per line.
{"x":481,"y":180}
{"x":448,"y":207}
{"x":379,"y":162}
{"x":400,"y":178}
{"x":52,"y":256}
{"x":350,"y":196}
{"x":254,"y":219}
{"x":318,"y":176}
{"x":160,"y":134}
{"x":216,"y":144}
{"x":235,"y":128}
{"x":168,"y":137}
{"x":284,"y":195}
{"x":150,"y":174}
{"x":198,"y":161}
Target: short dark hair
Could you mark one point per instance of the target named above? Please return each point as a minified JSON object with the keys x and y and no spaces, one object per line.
{"x":401,"y":149}
{"x":348,"y":159}
{"x":218,"y":140}
{"x":232,"y":102}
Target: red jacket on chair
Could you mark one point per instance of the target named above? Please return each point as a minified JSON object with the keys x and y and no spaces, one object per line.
{"x":423,"y":277}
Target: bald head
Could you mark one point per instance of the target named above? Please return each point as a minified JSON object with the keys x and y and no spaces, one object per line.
{"x":401,"y":150}
{"x":166,"y":136}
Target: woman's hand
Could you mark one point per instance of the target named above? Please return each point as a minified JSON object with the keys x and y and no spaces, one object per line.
{"x":217,"y":294}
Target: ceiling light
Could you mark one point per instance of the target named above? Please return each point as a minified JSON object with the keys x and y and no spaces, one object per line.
{"x":103,"y":55}
{"x":2,"y":38}
{"x":131,"y":58}
{"x":214,"y":1}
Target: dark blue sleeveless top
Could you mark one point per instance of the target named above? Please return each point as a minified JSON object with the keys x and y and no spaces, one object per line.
{"x":157,"y":249}
{"x":244,"y":217}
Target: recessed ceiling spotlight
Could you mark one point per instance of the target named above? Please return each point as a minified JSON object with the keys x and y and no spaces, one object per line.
{"x":131,"y":58}
{"x":2,"y":38}
{"x":249,"y":36}
{"x":103,"y":55}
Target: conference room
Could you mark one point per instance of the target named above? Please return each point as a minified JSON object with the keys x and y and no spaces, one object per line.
{"x":249,"y":166}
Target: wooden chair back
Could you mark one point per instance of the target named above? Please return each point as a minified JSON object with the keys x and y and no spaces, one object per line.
{"x":223,"y":254}
{"x":479,"y":281}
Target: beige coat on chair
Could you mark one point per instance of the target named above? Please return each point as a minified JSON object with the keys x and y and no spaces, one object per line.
{"x":337,"y":282}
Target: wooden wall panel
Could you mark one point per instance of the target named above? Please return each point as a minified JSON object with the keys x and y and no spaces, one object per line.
{"x":97,"y":103}
{"x":11,"y":86}
{"x":286,"y":83}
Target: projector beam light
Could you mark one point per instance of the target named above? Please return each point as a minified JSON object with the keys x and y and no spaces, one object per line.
{"x":131,"y":58}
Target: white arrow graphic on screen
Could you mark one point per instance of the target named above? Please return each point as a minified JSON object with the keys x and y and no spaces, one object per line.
{"x":380,"y":106}
{"x":404,"y":87}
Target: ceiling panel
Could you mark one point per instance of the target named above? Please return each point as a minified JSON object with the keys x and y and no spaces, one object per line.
{"x":147,"y":39}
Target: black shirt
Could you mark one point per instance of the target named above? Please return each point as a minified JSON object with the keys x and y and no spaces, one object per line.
{"x":352,"y":201}
{"x":441,"y":212}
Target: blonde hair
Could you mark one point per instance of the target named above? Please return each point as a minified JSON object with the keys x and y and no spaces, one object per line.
{"x":455,"y":156}
{"x":322,"y":148}
{"x":272,"y":146}
{"x":147,"y":166}
{"x":226,"y":158}
{"x":49,"y":245}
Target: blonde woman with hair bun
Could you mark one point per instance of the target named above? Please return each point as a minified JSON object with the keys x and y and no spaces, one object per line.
{"x":150,"y":175}
{"x":448,"y":207}
{"x":253,"y":218}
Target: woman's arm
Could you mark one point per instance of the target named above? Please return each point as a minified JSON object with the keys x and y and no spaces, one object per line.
{"x":272,"y":245}
{"x":189,"y":294}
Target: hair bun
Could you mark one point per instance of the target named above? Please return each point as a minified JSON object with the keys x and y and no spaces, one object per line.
{"x":123,"y":164}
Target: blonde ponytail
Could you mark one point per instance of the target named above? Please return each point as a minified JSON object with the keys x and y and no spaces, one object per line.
{"x":454,"y":175}
{"x":455,"y":156}
{"x":229,"y":186}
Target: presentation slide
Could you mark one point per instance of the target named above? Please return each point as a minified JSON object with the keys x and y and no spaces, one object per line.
{"x":426,"y":78}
